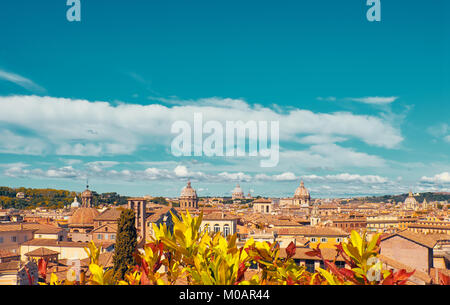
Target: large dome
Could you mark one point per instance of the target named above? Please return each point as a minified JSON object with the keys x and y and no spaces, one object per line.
{"x":410,"y":201}
{"x":237,"y":192}
{"x":301,"y":191}
{"x":188,"y":191}
{"x":83,"y":217}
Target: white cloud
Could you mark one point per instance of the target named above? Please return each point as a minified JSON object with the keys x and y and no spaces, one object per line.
{"x":346,"y":177}
{"x":20,"y":81}
{"x":287,"y":176}
{"x":330,"y":156}
{"x":60,"y":173}
{"x":83,"y":128}
{"x":11,"y":143}
{"x":443,"y":178}
{"x":375,"y":100}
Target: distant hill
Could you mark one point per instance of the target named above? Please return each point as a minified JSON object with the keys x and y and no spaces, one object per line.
{"x":51,"y":198}
{"x":430,"y":197}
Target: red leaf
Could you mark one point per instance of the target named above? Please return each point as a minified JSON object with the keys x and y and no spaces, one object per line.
{"x":42,"y":267}
{"x":444,"y":279}
{"x":290,"y":250}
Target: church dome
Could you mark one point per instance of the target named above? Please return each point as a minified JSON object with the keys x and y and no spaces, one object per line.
{"x":410,"y":201}
{"x":301,"y":191}
{"x":237,"y":192}
{"x":188,"y":191}
{"x":83,"y":217}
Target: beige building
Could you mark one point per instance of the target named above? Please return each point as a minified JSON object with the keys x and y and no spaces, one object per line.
{"x":218,"y":222}
{"x":66,"y":249}
{"x":263,"y":206}
{"x":12,"y":235}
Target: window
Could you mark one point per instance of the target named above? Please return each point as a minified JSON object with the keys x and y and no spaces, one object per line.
{"x":1,"y":240}
{"x":340,"y":264}
{"x":207,"y":228}
{"x":216,"y":228}
{"x":338,"y":240}
{"x":112,"y":236}
{"x":226,"y":230}
{"x":323,"y":240}
{"x":25,"y":238}
{"x":106,"y":236}
{"x":14,"y":239}
{"x":99,"y":236}
{"x":309,"y":264}
{"x":313,"y":239}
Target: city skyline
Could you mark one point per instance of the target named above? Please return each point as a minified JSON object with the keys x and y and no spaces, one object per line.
{"x":363,"y":107}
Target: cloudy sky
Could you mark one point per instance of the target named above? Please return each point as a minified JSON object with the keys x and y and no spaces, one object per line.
{"x":363,"y":107}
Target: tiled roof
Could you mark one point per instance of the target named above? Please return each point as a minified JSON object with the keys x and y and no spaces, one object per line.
{"x":39,"y":228}
{"x":312,"y":231}
{"x":6,"y":253}
{"x":110,"y":228}
{"x":55,"y":243}
{"x":105,"y":259}
{"x":41,"y":252}
{"x":219,"y":216}
{"x":300,"y":253}
{"x":110,"y":214}
{"x":421,"y":239}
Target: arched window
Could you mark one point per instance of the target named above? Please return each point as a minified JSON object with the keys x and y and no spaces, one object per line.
{"x":207,"y":228}
{"x":216,"y":228}
{"x":226,"y":230}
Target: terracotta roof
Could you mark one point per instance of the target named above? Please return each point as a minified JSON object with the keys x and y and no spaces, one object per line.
{"x":312,"y":231}
{"x":421,"y":239}
{"x":105,"y":259}
{"x":110,"y":228}
{"x":41,"y":252}
{"x":219,"y":216}
{"x":300,"y":253}
{"x":55,"y":243}
{"x":110,"y":214}
{"x":6,"y":254}
{"x":15,"y":227}
{"x":159,"y":213}
{"x":262,"y":200}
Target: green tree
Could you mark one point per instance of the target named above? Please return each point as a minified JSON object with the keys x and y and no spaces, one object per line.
{"x":126,"y":243}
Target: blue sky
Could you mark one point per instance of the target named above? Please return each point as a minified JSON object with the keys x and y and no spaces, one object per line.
{"x":363,"y":107}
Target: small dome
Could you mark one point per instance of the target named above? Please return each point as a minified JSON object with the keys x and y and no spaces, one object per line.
{"x":86,"y":194}
{"x":188,"y":191}
{"x":83,"y":217}
{"x":301,"y":191}
{"x":75,"y":203}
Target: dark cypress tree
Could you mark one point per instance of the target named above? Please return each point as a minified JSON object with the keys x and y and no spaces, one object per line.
{"x":126,"y":243}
